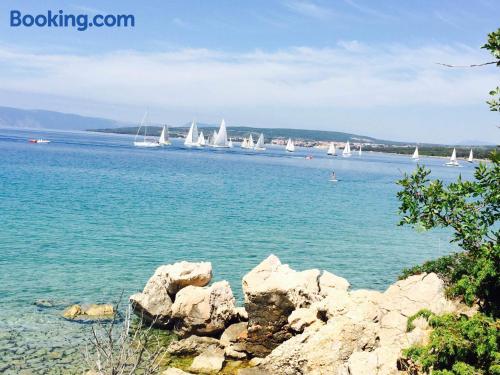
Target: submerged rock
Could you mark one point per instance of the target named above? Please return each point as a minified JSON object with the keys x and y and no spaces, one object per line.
{"x":104,"y":311}
{"x":154,"y":303}
{"x":203,"y":310}
{"x":272,"y":291}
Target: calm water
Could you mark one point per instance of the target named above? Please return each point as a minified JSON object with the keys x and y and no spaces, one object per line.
{"x":88,"y":215}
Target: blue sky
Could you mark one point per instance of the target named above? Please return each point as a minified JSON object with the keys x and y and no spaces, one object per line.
{"x":349,"y":65}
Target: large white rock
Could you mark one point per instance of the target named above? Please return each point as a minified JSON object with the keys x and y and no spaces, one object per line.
{"x":209,"y":361}
{"x":272,"y":291}
{"x":203,"y":310}
{"x":303,"y":317}
{"x":328,"y":281}
{"x":154,"y":303}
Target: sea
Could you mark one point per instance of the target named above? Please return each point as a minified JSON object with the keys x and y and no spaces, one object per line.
{"x":87,"y":218}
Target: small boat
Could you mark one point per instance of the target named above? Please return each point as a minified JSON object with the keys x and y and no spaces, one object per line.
{"x":471,"y":157}
{"x":192,"y":136}
{"x":309,"y":157}
{"x":415,"y":154}
{"x":260,"y":143}
{"x":244,"y":143}
{"x":201,"y":139}
{"x":146,"y":142}
{"x":39,"y":140}
{"x":220,"y":140}
{"x":453,"y":160}
{"x":333,"y":177}
{"x":347,"y":150}
{"x":164,"y":137}
{"x":290,"y":147}
{"x":230,"y":143}
{"x":360,"y":152}
{"x":331,"y":149}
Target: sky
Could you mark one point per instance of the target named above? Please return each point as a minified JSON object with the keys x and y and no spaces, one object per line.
{"x":356,"y":66}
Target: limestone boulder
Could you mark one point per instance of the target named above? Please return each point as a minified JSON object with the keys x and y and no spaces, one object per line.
{"x":209,"y":361}
{"x":203,"y":310}
{"x":328,"y":281}
{"x":272,"y":291}
{"x":302,"y":318}
{"x":234,"y":338}
{"x":193,"y":345}
{"x":154,"y":303}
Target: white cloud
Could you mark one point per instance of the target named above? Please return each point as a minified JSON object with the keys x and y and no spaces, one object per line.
{"x":309,"y":9}
{"x":201,"y":81}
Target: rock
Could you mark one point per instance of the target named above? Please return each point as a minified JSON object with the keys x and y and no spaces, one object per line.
{"x":328,"y":281}
{"x":241,"y":314}
{"x":322,"y":351}
{"x":174,"y":371}
{"x":89,"y":312}
{"x":234,"y":333}
{"x":362,"y":363}
{"x":100,"y":310}
{"x":203,"y":311}
{"x":72,"y":312}
{"x":252,"y":371}
{"x":423,"y":291}
{"x":272,"y":291}
{"x":193,"y":345}
{"x":211,"y":360}
{"x":154,"y":303}
{"x":303,"y":317}
{"x":233,"y":339}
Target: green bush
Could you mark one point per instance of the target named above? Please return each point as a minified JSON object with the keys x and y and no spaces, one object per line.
{"x":459,"y":345}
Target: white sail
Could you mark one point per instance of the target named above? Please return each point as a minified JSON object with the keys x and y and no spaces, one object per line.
{"x":347,"y":150}
{"x":244,"y":143}
{"x":331,"y":149}
{"x":230,"y":143}
{"x":251,"y":143}
{"x":415,"y":154}
{"x":360,"y":152}
{"x":192,"y":137}
{"x":453,"y":155}
{"x":260,"y":143}
{"x":471,"y":157}
{"x":164,"y":138}
{"x":146,"y":142}
{"x":221,"y":138}
{"x":453,"y":159}
{"x":290,"y":147}
{"x":201,"y":139}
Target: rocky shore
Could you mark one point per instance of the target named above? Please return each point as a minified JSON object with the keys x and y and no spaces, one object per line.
{"x":306,"y":322}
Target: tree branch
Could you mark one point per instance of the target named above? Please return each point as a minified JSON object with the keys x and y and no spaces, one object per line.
{"x":469,"y":66}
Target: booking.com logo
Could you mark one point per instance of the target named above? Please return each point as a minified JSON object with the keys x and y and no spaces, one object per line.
{"x":80,"y":21}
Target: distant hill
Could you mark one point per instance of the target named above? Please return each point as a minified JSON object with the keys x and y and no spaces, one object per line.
{"x":41,"y":119}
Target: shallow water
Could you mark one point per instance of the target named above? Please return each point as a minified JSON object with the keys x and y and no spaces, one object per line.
{"x":89,"y":216}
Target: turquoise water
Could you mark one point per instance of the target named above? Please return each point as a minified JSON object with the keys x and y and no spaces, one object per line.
{"x":88,"y":215}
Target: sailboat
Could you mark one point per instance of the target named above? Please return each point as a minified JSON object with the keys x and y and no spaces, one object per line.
{"x":453,"y":160}
{"x":146,"y":142}
{"x":230,"y":143}
{"x":471,"y":157}
{"x":260,"y":143}
{"x":415,"y":154}
{"x":244,"y":143}
{"x":251,"y":143}
{"x":192,"y":137}
{"x":331,"y":149}
{"x":201,"y":139}
{"x":290,"y":147}
{"x":360,"y":152}
{"x":164,"y":138}
{"x":347,"y":150}
{"x":220,"y":140}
